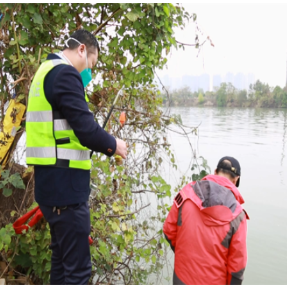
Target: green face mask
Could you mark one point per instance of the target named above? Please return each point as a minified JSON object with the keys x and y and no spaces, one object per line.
{"x":86,"y":74}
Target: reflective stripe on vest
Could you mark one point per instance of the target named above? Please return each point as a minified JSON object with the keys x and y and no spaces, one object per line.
{"x":47,"y":116}
{"x":43,"y":116}
{"x":51,"y":141}
{"x":48,"y":152}
{"x":40,"y":152}
{"x":61,"y":125}
{"x":73,"y":154}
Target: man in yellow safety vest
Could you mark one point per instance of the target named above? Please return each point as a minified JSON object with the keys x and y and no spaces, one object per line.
{"x":61,"y":131}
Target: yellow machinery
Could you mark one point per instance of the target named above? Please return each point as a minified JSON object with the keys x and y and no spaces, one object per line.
{"x":11,"y":124}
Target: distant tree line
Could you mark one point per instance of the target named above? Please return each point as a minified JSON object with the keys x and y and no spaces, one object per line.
{"x":259,"y":95}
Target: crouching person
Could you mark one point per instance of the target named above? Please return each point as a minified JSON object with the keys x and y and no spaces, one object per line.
{"x":206,"y":228}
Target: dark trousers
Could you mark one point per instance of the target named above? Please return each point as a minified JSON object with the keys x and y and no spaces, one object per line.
{"x":71,"y":259}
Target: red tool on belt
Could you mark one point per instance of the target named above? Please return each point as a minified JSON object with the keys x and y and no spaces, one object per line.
{"x":20,"y":224}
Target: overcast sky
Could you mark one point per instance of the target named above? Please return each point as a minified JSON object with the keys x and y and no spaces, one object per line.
{"x":248,"y":38}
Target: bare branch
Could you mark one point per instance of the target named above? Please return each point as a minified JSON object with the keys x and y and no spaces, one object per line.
{"x":145,"y":190}
{"x":193,"y":45}
{"x":17,"y":81}
{"x":8,"y":265}
{"x":163,"y":86}
{"x":121,"y":263}
{"x":128,"y":214}
{"x":105,"y":23}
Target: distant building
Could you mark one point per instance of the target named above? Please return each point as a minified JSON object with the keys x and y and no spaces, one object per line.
{"x":250,"y":80}
{"x":216,"y":81}
{"x":207,"y":82}
{"x":194,"y":83}
{"x":229,"y":78}
{"x":187,"y":81}
{"x":204,"y":82}
{"x":239,"y":81}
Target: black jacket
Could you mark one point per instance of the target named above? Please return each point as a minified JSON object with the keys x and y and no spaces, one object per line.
{"x":64,"y":90}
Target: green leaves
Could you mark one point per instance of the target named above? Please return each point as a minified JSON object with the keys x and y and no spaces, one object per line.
{"x":199,"y":176}
{"x":132,"y":16}
{"x":37,"y":19}
{"x":124,"y":6}
{"x":103,"y":249}
{"x":14,"y":179}
{"x":23,"y":260}
{"x":12,"y":42}
{"x":157,"y":14}
{"x":114,"y":42}
{"x":23,"y":38}
{"x":32,"y":250}
{"x":31,"y":8}
{"x":115,"y":226}
{"x":5,"y":239}
{"x":5,"y":174}
{"x":5,"y":19}
{"x":7,"y":192}
{"x":166,"y":10}
{"x":161,"y":186}
{"x":202,"y":167}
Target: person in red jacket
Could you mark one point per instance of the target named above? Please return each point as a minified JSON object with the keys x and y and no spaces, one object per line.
{"x":206,"y":228}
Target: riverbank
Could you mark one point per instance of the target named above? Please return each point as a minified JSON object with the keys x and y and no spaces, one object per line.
{"x":259,"y":95}
{"x":213,"y":103}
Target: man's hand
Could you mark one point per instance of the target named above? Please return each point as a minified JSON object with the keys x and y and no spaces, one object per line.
{"x":121,"y":148}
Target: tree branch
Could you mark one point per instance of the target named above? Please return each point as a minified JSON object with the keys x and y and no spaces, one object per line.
{"x":196,"y":44}
{"x":16,"y":39}
{"x":186,"y":44}
{"x":105,"y":23}
{"x":17,"y":81}
{"x":144,"y":190}
{"x":131,"y":68}
{"x":121,"y":263}
{"x":163,"y":86}
{"x":128,"y":214}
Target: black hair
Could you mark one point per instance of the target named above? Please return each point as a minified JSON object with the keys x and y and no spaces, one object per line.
{"x":225,"y":168}
{"x":84,"y":37}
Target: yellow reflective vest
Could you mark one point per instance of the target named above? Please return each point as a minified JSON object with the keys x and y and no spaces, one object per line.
{"x":50,"y":139}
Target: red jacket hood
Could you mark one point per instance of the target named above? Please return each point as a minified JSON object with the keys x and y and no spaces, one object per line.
{"x":223,"y":181}
{"x":217,"y":198}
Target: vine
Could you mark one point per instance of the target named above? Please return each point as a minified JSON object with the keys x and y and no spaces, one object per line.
{"x":128,"y":198}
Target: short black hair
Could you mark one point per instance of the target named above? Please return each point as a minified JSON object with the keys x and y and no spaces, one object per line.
{"x":225,"y":167}
{"x":84,"y":37}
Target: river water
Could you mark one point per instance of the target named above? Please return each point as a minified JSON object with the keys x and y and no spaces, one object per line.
{"x":257,"y":138}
